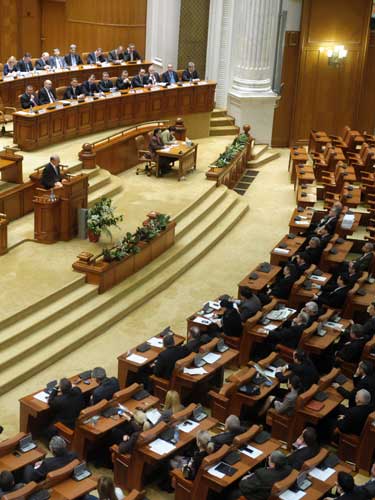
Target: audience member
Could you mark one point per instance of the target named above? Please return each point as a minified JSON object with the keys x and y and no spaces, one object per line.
{"x":190,"y":73}
{"x":288,"y":333}
{"x":232,"y":428}
{"x":350,"y":349}
{"x":74,"y":91}
{"x":303,"y":367}
{"x":105,"y":83}
{"x":197,"y":339}
{"x":153,"y":76}
{"x":107,"y":489}
{"x":170,"y":76}
{"x":231,"y":319}
{"x":335,"y":298}
{"x":29,"y":98}
{"x":363,"y":378}
{"x":140,"y":80}
{"x":116,"y":55}
{"x":287,"y":405}
{"x":123,"y":82}
{"x":314,"y":250}
{"x":25,"y":64}
{"x":248,"y":303}
{"x":90,"y":87}
{"x":106,"y":386}
{"x":47,"y":94}
{"x":96,"y":57}
{"x":283,"y":284}
{"x":10,"y":66}
{"x":307,"y":447}
{"x":131,"y":54}
{"x":43,"y":63}
{"x":66,"y":406}
{"x":8,"y":483}
{"x":73,"y":58}
{"x":167,"y":136}
{"x":165,"y":362}
{"x":346,"y":488}
{"x":57,"y":61}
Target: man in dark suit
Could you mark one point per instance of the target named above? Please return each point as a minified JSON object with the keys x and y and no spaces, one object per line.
{"x":8,"y":483}
{"x":90,"y":87}
{"x":170,"y":76}
{"x":352,"y":420}
{"x":74,"y":91}
{"x":231,"y":319}
{"x":105,"y":83}
{"x":66,"y":406}
{"x":197,"y":339}
{"x":43,"y":63}
{"x":314,"y":250}
{"x":283,"y":284}
{"x":190,"y":73}
{"x":140,"y":80}
{"x":329,"y":221}
{"x":347,"y":489}
{"x":131,"y":54}
{"x":47,"y":94}
{"x":307,"y":447}
{"x":29,"y":98}
{"x":231,"y":430}
{"x":301,"y":263}
{"x":51,"y":176}
{"x":73,"y":58}
{"x":107,"y":386}
{"x":25,"y":64}
{"x":288,"y":334}
{"x":153,"y":76}
{"x":369,"y":325}
{"x":248,"y":303}
{"x":123,"y":82}
{"x":57,"y":61}
{"x":303,"y":367}
{"x":350,"y":349}
{"x":116,"y":55}
{"x":165,"y":362}
{"x":368,"y":488}
{"x":336,"y":298}
{"x":96,"y":57}
{"x":61,"y":457}
{"x":363,"y":378}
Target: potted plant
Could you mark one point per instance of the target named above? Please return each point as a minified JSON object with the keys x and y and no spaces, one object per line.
{"x":100,"y":218}
{"x":126,"y":246}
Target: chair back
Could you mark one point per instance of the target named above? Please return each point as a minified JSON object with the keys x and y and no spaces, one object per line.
{"x":210,"y":346}
{"x":8,"y":445}
{"x":326,"y":315}
{"x":57,"y":476}
{"x":136,"y":495}
{"x":306,"y":396}
{"x":284,"y":484}
{"x":314,"y":461}
{"x":247,"y":436}
{"x":84,"y":57}
{"x":326,"y":380}
{"x":184,"y":362}
{"x":146,"y":437}
{"x":60,"y":91}
{"x":140,"y":143}
{"x":266,"y":362}
{"x":125,"y":394}
{"x":89,"y":412}
{"x":243,"y":376}
{"x":183,"y":414}
{"x":22,"y":493}
{"x":268,"y":307}
{"x":307,"y":333}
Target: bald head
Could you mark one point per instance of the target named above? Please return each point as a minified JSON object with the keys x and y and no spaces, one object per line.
{"x":363,"y":397}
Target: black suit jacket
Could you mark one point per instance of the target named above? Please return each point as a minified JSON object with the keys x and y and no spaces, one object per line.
{"x":22,"y":66}
{"x":52,"y":463}
{"x":307,"y":373}
{"x":68,"y":59}
{"x":226,"y":437}
{"x":298,"y":457}
{"x":167,"y":78}
{"x":90,"y":88}
{"x":105,"y":86}
{"x":92,"y":60}
{"x":186,"y":76}
{"x":352,"y":350}
{"x":136,"y":56}
{"x":314,"y":254}
{"x":41,"y":64}
{"x":354,"y":419}
{"x":43,"y":96}
{"x":114,"y":56}
{"x":369,"y":328}
{"x":166,"y":360}
{"x":365,"y":261}
{"x":105,"y":390}
{"x":329,"y":223}
{"x":26,"y":101}
{"x":122,"y":84}
{"x":71,"y":93}
{"x":232,"y":324}
{"x":281,"y":289}
{"x":50,"y":176}
{"x":258,"y":486}
{"x":288,"y":336}
{"x":157,"y":78}
{"x":367,"y":382}
{"x":137,"y":81}
{"x":67,"y":407}
{"x":334,"y":299}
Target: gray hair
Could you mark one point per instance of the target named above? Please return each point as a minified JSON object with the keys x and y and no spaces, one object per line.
{"x":315,"y":239}
{"x":57,"y":445}
{"x":304,"y":316}
{"x":232,"y":423}
{"x":99,"y":373}
{"x":312,"y":307}
{"x":364,"y":396}
{"x":203,"y":438}
{"x":278,"y":458}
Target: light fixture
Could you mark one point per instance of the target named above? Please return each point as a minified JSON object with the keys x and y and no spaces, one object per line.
{"x":335,"y":54}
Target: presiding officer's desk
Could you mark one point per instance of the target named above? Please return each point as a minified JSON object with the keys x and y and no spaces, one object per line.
{"x":11,"y":88}
{"x":58,"y":121}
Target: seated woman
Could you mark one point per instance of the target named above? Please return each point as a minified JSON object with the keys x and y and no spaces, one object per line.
{"x":283,"y":285}
{"x":126,"y":435}
{"x":231,"y":319}
{"x":107,"y":489}
{"x":10,"y":66}
{"x":172,"y":405}
{"x":154,"y":145}
{"x":287,"y":405}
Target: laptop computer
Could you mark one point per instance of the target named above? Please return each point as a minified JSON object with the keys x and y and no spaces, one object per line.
{"x":26,"y":444}
{"x":50,"y":386}
{"x":199,"y":414}
{"x":199,"y":361}
{"x":81,"y":472}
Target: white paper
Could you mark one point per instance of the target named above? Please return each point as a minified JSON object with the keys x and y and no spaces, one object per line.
{"x":270,"y":372}
{"x":161,"y":447}
{"x":215,"y":472}
{"x":202,"y":83}
{"x":270,"y":327}
{"x":42,"y":396}
{"x":194,"y":371}
{"x":336,"y":326}
{"x":282,"y":251}
{"x":214,"y":305}
{"x":318,"y":278}
{"x":153,"y":415}
{"x":187,"y":426}
{"x":166,"y":149}
{"x":323,"y":475}
{"x":136,"y":359}
{"x":155,"y":342}
{"x":211,"y":357}
{"x":301,"y":223}
{"x":202,"y":321}
{"x":252,"y":452}
{"x":292,"y":495}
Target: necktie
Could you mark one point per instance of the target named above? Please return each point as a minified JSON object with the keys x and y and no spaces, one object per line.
{"x":27,"y":67}
{"x":131,"y":56}
{"x":58,"y":65}
{"x":73,"y":60}
{"x":50,"y":96}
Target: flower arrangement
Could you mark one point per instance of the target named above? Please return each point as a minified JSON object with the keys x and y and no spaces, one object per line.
{"x":101,"y":217}
{"x":239,"y":143}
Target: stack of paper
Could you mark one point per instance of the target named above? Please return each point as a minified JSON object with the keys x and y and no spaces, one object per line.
{"x":270,"y":327}
{"x":292,"y":495}
{"x":155,"y":342}
{"x":194,"y":371}
{"x":282,"y":251}
{"x":252,"y":452}
{"x":318,"y":278}
{"x":202,"y":321}
{"x":161,"y":447}
{"x":42,"y":396}
{"x":323,"y":475}
{"x":211,"y":357}
{"x":215,"y":472}
{"x":187,"y":426}
{"x":153,"y":415}
{"x":136,"y":359}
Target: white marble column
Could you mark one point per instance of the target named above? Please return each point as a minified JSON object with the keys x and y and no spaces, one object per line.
{"x":251,"y":99}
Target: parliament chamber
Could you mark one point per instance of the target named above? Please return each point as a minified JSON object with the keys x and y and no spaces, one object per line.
{"x":187,"y":250}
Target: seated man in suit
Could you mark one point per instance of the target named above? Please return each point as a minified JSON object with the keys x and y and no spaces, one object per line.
{"x":75,"y":90}
{"x":368,"y":488}
{"x":364,"y":261}
{"x":25,"y":64}
{"x":170,"y":76}
{"x":231,"y":319}
{"x":312,"y":310}
{"x":8,"y":483}
{"x":350,"y":348}
{"x":73,"y":58}
{"x":29,"y":98}
{"x":96,"y":57}
{"x":116,"y":55}
{"x":165,"y":362}
{"x":301,"y":262}
{"x":248,"y":303}
{"x":123,"y":82}
{"x":153,"y":76}
{"x":288,"y":333}
{"x":314,"y":250}
{"x":352,"y":420}
{"x":303,"y":367}
{"x":90,"y":87}
{"x":140,"y":80}
{"x":232,"y":428}
{"x":131,"y":54}
{"x":105,"y":83}
{"x":369,"y":325}
{"x":347,"y":489}
{"x":335,"y":298}
{"x":57,"y":61}
{"x":363,"y":378}
{"x":107,"y":386}
{"x":167,"y":136}
{"x":197,"y":339}
{"x":307,"y":447}
{"x":51,"y":176}
{"x":65,"y":406}
{"x":61,"y":457}
{"x":47,"y":94}
{"x":43,"y":63}
{"x":190,"y":73}
{"x":283,"y":284}
{"x":329,"y":221}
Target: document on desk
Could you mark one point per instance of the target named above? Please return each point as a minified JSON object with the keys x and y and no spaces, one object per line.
{"x":42,"y":396}
{"x":136,"y":359}
{"x":153,"y":415}
{"x":250,"y":451}
{"x":215,"y":472}
{"x":155,"y":342}
{"x":187,"y":426}
{"x":292,"y":495}
{"x":301,"y":222}
{"x":320,"y":474}
{"x":211,"y":358}
{"x":202,"y":321}
{"x":281,"y":251}
{"x":336,"y":326}
{"x":195,"y":371}
{"x":161,"y":447}
{"x":318,"y":278}
{"x":270,"y":372}
{"x":214,"y":305}
{"x":270,"y":327}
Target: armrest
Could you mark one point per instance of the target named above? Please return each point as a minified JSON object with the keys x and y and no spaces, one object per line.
{"x":288,"y":351}
{"x":9,"y":109}
{"x":65,"y":431}
{"x":177,"y":473}
{"x":218,"y":397}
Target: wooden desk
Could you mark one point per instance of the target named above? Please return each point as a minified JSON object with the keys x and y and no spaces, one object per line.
{"x":297,"y":155}
{"x":359,"y":303}
{"x":304,"y":175}
{"x":317,"y":141}
{"x":300,"y":295}
{"x":240,"y":399}
{"x":331,"y":260}
{"x":11,"y":171}
{"x":293,"y":247}
{"x":3,"y":234}
{"x":303,"y":225}
{"x":185,"y":155}
{"x":307,"y":416}
{"x":309,"y":199}
{"x":317,"y":344}
{"x":71,"y":489}
{"x":33,"y":131}
{"x":34,"y":414}
{"x":17,"y":460}
{"x":128,"y":370}
{"x":346,"y":232}
{"x":263,"y":279}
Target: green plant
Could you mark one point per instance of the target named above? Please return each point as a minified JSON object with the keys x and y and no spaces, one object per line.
{"x":101,"y":217}
{"x":237,"y":145}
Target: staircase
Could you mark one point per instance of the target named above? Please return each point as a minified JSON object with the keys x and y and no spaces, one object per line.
{"x":222,"y":124}
{"x":49,"y":329}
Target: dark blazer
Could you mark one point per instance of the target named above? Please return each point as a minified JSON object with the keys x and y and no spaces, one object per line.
{"x":307,"y":373}
{"x":90,"y":88}
{"x":232,"y":324}
{"x":367,"y":489}
{"x":105,"y":86}
{"x":334,"y":299}
{"x":288,"y":336}
{"x":165,"y":362}
{"x":136,"y":56}
{"x":43,"y":96}
{"x":105,"y":390}
{"x":26,"y":101}
{"x":157,"y":78}
{"x":67,"y":407}
{"x":249,"y":307}
{"x":137,"y":81}
{"x":298,"y":457}
{"x":365,"y":261}
{"x":22,"y":66}
{"x":259,"y":485}
{"x":68,"y":59}
{"x":53,"y":62}
{"x":41,"y":64}
{"x":50,"y":176}
{"x":324,"y":240}
{"x":115,"y":56}
{"x":354,"y":419}
{"x":194,"y":344}
{"x":300,"y":269}
{"x":186,"y":76}
{"x":226,"y":437}
{"x":282,"y":287}
{"x":328,"y":222}
{"x":92,"y":60}
{"x":352,"y":350}
{"x":166,"y":77}
{"x":314,"y":254}
{"x":133,"y":430}
{"x":122,"y":84}
{"x":367,"y":382}
{"x":369,"y":328}
{"x":155,"y":144}
{"x":50,"y":464}
{"x":7,"y":69}
{"x":71,"y":93}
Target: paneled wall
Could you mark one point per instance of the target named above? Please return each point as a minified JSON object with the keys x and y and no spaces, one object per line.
{"x":367,"y":106}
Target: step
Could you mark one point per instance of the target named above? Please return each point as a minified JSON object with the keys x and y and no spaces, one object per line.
{"x":220,"y":121}
{"x":109,"y":190}
{"x":103,"y":178}
{"x":258,"y":150}
{"x":218,"y":112}
{"x":264,"y":159}
{"x":100,"y":318}
{"x":225,"y":130}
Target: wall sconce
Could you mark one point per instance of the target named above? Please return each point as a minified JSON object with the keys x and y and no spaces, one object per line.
{"x":335,"y":54}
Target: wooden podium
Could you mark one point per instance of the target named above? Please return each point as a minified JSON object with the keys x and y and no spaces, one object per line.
{"x":57,"y":220}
